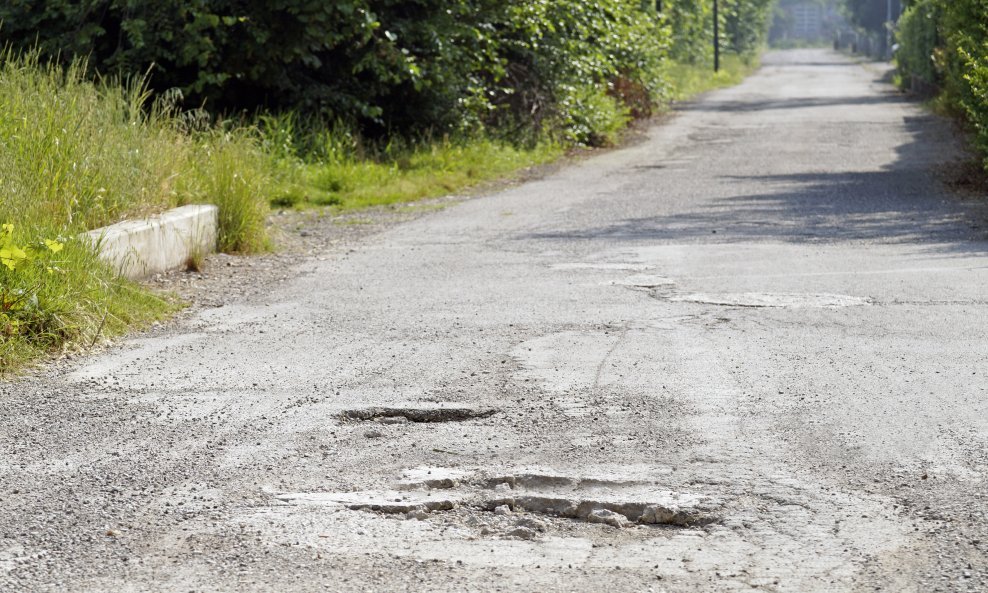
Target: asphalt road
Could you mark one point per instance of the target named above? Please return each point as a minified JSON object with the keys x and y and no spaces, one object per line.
{"x":745,"y":354}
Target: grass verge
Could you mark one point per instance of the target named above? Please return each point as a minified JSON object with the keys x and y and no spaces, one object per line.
{"x":76,"y":155}
{"x":424,"y":171}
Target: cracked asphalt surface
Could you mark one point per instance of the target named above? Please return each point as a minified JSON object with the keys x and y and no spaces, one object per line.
{"x":745,"y":354}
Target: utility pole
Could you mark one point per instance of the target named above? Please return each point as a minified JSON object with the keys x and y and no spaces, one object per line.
{"x":717,"y":39}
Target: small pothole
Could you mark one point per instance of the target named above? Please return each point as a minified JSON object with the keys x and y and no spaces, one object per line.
{"x":386,"y":414}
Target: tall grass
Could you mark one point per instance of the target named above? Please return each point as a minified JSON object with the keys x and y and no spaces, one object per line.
{"x":76,"y":155}
{"x":229,"y":169}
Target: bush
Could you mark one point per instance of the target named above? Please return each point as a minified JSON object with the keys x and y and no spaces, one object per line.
{"x":746,"y":25}
{"x":576,"y":67}
{"x":955,"y":34}
{"x":393,"y":66}
{"x":918,"y":40}
{"x":743,"y":27}
{"x":691,"y":26}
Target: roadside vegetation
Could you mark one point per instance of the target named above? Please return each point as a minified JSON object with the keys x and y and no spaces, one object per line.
{"x":341,"y":105}
{"x":76,"y":155}
{"x":943,"y":53}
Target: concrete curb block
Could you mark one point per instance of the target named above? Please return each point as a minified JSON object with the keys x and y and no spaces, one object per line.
{"x":141,"y":248}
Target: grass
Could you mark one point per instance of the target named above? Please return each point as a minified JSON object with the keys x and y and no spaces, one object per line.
{"x":69,"y":299}
{"x":76,"y":155}
{"x":414,"y":173}
{"x":689,"y":80}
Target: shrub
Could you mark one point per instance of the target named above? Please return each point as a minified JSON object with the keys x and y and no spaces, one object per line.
{"x":392,"y":66}
{"x":574,"y":66}
{"x":743,"y":27}
{"x":918,"y":39}
{"x":955,"y":34}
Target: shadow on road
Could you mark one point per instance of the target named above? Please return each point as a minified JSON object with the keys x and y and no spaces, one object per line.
{"x":802,"y":103}
{"x":902,"y":203}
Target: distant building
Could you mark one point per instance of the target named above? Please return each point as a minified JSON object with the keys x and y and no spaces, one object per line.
{"x":805,"y":22}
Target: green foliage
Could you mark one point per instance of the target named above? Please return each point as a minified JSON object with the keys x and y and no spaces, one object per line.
{"x":743,"y":27}
{"x":867,"y":14}
{"x":576,"y":67}
{"x":228,"y":169}
{"x":20,"y":308}
{"x":691,"y":24}
{"x":945,"y":43}
{"x":77,"y":155}
{"x":55,"y":292}
{"x":964,"y":61}
{"x":746,"y":24}
{"x":394,"y":66}
{"x":918,"y":41}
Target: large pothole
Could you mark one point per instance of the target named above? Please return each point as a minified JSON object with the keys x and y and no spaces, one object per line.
{"x":594,"y":500}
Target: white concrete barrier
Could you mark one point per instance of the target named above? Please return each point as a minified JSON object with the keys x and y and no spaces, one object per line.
{"x":140,"y":248}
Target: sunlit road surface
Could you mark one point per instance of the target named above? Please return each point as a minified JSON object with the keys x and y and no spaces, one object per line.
{"x":745,"y":354}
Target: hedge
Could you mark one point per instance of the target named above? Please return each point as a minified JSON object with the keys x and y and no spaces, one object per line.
{"x":944,"y":43}
{"x":394,"y":66}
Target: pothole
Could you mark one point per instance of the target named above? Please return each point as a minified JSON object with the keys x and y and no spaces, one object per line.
{"x":536,"y":481}
{"x":593,"y":500}
{"x":769,"y":300}
{"x":651,"y":512}
{"x":439,"y":414}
